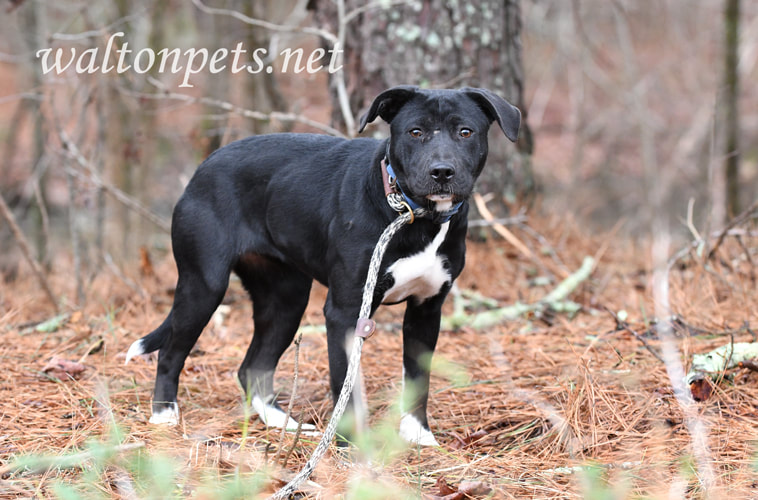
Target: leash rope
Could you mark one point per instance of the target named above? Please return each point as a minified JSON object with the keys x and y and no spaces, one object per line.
{"x":364,"y":329}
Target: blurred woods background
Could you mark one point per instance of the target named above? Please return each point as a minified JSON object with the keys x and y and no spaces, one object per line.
{"x":632,"y":109}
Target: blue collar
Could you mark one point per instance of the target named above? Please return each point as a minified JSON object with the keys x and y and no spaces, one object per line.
{"x":437,"y":217}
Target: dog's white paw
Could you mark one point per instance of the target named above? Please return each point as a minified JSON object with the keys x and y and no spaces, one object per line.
{"x":274,"y":417}
{"x":412,"y":431}
{"x":168,"y":416}
{"x":136,"y":349}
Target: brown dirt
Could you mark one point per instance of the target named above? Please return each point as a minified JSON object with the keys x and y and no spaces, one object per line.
{"x":516,"y":407}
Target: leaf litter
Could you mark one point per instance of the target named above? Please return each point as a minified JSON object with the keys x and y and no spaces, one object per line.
{"x":526,"y":408}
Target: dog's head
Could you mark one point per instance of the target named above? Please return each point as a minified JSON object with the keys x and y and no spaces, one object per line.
{"x":438,"y":141}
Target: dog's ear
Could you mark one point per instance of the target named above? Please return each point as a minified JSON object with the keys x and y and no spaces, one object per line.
{"x":495,"y":107}
{"x":387,"y":104}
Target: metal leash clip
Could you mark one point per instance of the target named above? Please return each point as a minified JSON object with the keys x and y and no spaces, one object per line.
{"x":399,"y":205}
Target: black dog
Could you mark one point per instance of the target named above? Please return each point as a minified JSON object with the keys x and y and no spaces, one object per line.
{"x":282,"y":210}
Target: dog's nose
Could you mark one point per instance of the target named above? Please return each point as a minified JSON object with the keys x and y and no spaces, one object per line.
{"x":442,"y":172}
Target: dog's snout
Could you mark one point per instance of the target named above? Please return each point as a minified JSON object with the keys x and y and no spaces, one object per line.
{"x":442,"y":172}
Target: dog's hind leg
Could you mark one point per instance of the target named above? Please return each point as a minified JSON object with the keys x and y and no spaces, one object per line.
{"x":280,"y":294}
{"x":195,"y":301}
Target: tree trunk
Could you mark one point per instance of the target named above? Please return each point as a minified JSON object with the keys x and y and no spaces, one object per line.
{"x":262,"y":90}
{"x":435,"y":43}
{"x":35,"y":20}
{"x":730,"y":108}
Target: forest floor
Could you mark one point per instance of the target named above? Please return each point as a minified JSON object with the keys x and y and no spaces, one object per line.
{"x":545,"y":406}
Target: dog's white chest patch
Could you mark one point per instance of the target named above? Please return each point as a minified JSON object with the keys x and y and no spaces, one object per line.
{"x":421,"y":275}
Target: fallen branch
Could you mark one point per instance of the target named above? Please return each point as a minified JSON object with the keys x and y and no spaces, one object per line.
{"x":555,"y":300}
{"x":500,"y":229}
{"x":504,"y":221}
{"x":714,"y":363}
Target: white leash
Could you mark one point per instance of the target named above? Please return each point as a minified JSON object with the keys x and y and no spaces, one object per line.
{"x":364,"y":329}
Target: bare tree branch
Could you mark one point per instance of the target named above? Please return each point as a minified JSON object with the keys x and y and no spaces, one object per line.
{"x":105,"y":30}
{"x":233,"y":108}
{"x":73,"y":151}
{"x":384,"y":4}
{"x":339,"y":76}
{"x":265,"y":24}
{"x":5,"y":211}
{"x":337,"y":42}
{"x":739,"y":219}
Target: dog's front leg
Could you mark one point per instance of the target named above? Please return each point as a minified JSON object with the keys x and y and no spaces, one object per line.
{"x":421,"y":327}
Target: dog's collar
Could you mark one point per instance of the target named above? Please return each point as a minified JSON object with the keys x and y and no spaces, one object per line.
{"x":392,"y":187}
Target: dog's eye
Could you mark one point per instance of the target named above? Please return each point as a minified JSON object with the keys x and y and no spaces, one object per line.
{"x":466,"y":133}
{"x":416,"y":132}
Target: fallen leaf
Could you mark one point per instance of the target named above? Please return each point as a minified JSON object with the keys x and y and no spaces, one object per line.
{"x":63,"y":369}
{"x":467,"y":489}
{"x":443,"y":487}
{"x":472,"y":488}
{"x":701,"y":389}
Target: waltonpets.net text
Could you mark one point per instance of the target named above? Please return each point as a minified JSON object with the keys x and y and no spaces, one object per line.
{"x":189,"y":62}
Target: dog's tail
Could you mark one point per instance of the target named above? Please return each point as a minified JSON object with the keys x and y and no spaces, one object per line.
{"x":150,"y":342}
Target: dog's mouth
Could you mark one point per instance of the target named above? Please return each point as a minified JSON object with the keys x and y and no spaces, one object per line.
{"x":441,"y":202}
{"x":440,"y":198}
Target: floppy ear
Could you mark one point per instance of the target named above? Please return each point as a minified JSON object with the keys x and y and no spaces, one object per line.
{"x":495,"y":107}
{"x":387,"y":104}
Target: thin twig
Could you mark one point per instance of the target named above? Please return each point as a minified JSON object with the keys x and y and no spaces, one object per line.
{"x":294,"y":443}
{"x":384,"y":4}
{"x":27,"y":251}
{"x":339,"y":76}
{"x":73,"y":151}
{"x":104,"y":31}
{"x":504,"y":221}
{"x":233,"y":108}
{"x":623,"y":325}
{"x":108,"y":259}
{"x":291,"y":402}
{"x":481,"y":206}
{"x":739,"y":219}
{"x":265,"y":24}
{"x":337,"y":42}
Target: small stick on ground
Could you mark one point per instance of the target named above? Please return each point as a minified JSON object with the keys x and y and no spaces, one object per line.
{"x":623,"y":325}
{"x":749,"y":364}
{"x":501,"y":229}
{"x":289,"y":406}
